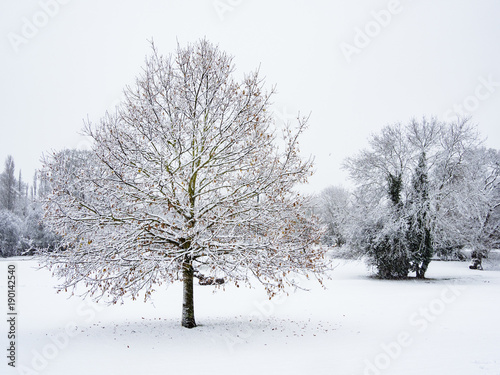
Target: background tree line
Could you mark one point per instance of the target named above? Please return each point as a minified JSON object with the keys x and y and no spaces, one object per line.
{"x":21,"y":213}
{"x":430,"y":185}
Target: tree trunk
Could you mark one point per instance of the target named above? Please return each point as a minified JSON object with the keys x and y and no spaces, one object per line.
{"x":422,"y":269}
{"x":420,"y":273}
{"x":188,"y":295}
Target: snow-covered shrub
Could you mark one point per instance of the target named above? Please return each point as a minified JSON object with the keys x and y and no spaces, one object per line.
{"x":380,"y":238}
{"x":11,"y":229}
{"x":37,"y":235}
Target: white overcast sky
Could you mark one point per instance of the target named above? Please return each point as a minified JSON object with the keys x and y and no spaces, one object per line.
{"x":356,"y":65}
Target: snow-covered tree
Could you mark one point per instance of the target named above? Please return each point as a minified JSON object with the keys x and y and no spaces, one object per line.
{"x":426,"y":185}
{"x":21,"y":201}
{"x":419,"y":239}
{"x":188,"y":174}
{"x":36,"y":235}
{"x":332,"y":206}
{"x":469,"y":204}
{"x":11,"y":229}
{"x":8,"y":190}
{"x":21,"y":218}
{"x":377,"y":230}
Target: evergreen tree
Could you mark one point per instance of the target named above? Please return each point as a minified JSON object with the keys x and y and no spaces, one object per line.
{"x":419,"y":239}
{"x":34,"y":187}
{"x":8,"y":185}
{"x":390,"y":255}
{"x":21,"y":204}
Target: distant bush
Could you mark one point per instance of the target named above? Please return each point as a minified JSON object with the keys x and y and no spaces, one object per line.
{"x":11,"y":231}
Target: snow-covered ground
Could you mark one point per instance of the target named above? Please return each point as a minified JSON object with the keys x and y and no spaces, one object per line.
{"x":448,"y":324}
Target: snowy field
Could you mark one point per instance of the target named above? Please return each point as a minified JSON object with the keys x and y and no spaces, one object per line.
{"x":447,"y":324}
